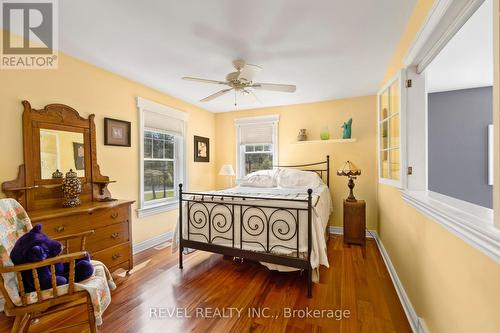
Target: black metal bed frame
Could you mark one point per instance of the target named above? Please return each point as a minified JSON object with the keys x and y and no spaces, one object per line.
{"x":253,"y":221}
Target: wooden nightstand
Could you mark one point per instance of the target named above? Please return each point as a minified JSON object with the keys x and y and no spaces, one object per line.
{"x":355,"y":222}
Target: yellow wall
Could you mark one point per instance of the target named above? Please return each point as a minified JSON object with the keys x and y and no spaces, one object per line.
{"x":313,"y":117}
{"x":92,"y":90}
{"x":452,"y":286}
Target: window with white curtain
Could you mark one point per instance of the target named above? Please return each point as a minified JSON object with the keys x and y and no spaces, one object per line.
{"x":162,"y":156}
{"x":257,"y":144}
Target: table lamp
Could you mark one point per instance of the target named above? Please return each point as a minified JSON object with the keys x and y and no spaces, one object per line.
{"x":351,"y":171}
{"x":227,"y":170}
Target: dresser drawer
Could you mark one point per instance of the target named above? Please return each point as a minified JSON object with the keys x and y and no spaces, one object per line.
{"x":114,"y":255}
{"x":108,"y":236}
{"x":72,"y":224}
{"x":114,"y":215}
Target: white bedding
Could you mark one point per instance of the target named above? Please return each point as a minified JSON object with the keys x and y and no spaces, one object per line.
{"x":322,"y":207}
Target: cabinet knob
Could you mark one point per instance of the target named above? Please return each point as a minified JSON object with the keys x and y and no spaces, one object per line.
{"x":114,"y":235}
{"x":116,"y":256}
{"x":59,"y":228}
{"x":114,"y":215}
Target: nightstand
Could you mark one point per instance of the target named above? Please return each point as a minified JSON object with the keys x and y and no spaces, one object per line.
{"x":355,"y":222}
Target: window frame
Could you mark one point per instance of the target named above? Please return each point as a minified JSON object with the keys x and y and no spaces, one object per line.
{"x":272,"y":120}
{"x":162,"y":205}
{"x":400,"y":183}
{"x":471,"y":223}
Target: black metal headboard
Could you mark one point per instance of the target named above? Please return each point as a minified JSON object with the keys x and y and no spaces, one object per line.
{"x":309,"y":167}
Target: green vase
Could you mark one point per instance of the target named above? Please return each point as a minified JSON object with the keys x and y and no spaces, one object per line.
{"x":325,"y":134}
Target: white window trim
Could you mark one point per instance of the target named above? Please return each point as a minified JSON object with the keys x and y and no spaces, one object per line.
{"x":402,"y":133}
{"x":472,"y":223}
{"x":259,"y":120}
{"x":170,"y":204}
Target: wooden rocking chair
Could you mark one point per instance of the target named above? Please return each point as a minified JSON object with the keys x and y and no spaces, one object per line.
{"x":28,"y":306}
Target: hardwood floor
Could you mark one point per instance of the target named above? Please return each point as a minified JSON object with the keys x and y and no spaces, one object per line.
{"x":358,"y":287}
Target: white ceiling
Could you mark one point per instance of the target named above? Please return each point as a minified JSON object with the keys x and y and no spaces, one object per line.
{"x":467,"y":60}
{"x":328,"y":48}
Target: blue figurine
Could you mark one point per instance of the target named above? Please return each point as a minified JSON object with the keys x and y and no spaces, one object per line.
{"x":347,"y":129}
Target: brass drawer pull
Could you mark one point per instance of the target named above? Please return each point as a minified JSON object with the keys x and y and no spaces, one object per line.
{"x":116,"y":256}
{"x":114,"y":215}
{"x":114,"y":235}
{"x":59,"y":228}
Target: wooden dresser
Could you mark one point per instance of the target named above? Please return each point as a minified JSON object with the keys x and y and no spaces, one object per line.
{"x":111,"y":243}
{"x":38,"y":187}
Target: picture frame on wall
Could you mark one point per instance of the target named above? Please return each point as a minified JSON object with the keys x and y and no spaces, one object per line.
{"x":116,"y":132}
{"x":201,"y":149}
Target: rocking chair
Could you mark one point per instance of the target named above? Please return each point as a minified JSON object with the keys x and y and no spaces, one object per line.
{"x":14,"y":222}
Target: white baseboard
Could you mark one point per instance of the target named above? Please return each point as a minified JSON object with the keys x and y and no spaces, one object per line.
{"x":417,"y":324}
{"x":340,"y":231}
{"x":152,"y":242}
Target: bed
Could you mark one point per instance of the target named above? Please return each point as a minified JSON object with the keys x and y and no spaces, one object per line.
{"x":283,"y":227}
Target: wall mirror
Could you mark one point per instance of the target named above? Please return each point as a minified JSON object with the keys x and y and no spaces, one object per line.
{"x":61,"y":150}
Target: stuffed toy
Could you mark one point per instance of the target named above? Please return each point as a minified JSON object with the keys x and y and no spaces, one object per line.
{"x":35,"y":246}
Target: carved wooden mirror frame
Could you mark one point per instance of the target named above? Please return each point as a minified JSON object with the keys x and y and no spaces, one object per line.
{"x":29,"y":188}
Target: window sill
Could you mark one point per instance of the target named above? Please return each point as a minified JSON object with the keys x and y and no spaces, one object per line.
{"x":472,"y":223}
{"x":157,"y":209}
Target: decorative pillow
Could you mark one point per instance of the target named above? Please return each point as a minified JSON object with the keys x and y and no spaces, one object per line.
{"x":261,"y":178}
{"x":292,"y":178}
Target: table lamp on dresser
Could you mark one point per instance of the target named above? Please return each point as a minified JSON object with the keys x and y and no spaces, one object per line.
{"x":227,"y":170}
{"x":354,"y":210}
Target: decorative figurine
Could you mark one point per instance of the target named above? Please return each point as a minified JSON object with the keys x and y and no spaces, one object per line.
{"x":347,"y":129}
{"x":302,"y":135}
{"x":57,"y":174}
{"x":325,"y":134}
{"x":71,"y":187}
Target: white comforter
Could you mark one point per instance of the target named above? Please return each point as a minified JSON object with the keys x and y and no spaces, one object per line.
{"x":322,"y":204}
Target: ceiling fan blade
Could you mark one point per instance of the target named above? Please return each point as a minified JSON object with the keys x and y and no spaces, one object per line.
{"x":196,"y":79}
{"x":275,"y":87}
{"x":217,"y":94}
{"x":248,"y":72}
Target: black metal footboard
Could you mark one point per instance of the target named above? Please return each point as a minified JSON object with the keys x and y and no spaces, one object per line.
{"x":236,"y":226}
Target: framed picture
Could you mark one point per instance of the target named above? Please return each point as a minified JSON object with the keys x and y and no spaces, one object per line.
{"x":201,"y":149}
{"x":79,"y":155}
{"x":116,"y":132}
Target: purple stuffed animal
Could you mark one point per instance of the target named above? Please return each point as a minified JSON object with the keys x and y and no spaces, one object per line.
{"x":35,"y":246}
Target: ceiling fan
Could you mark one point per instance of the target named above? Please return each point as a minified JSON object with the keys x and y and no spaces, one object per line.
{"x":242,"y":81}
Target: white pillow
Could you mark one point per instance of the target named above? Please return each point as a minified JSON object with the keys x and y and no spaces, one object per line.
{"x":261,"y":178}
{"x":292,"y":178}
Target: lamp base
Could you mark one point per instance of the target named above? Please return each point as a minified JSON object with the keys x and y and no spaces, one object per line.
{"x":350,"y":184}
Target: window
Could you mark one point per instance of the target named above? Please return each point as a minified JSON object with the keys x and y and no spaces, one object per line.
{"x":159,"y":162}
{"x":162,"y":163}
{"x":389,"y":133}
{"x":258,"y":157}
{"x":448,"y":60}
{"x":257,"y":144}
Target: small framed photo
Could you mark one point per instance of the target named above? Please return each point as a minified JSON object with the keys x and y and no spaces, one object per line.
{"x":201,"y":149}
{"x":116,"y":132}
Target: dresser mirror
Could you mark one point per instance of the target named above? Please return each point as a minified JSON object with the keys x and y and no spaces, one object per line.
{"x":61,"y":151}
{"x":55,"y":138}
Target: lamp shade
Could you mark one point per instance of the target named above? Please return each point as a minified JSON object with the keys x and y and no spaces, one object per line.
{"x":226,"y":170}
{"x":349,"y":170}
